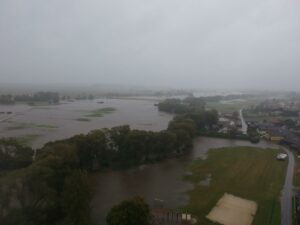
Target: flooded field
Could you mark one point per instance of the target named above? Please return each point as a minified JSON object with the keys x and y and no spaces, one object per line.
{"x":164,"y":181}
{"x":37,"y":125}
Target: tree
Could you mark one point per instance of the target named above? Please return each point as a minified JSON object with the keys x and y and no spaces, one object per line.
{"x":130,"y":212}
{"x":183,"y":123}
{"x":13,"y":155}
{"x":76,"y":198}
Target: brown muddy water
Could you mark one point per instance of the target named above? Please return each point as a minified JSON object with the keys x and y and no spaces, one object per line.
{"x":41,"y":124}
{"x":162,"y":180}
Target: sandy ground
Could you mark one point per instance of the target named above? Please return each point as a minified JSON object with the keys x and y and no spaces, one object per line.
{"x":232,"y":210}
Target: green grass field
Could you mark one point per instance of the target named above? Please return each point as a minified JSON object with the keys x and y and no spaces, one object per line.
{"x":28,"y":139}
{"x":297,"y":171}
{"x":224,"y":108}
{"x":100,"y":112}
{"x":232,"y":106}
{"x":250,"y":173}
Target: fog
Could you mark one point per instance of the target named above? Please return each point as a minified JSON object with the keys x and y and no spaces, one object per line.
{"x":170,"y":43}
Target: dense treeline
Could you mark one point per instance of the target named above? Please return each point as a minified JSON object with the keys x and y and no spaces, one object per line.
{"x":52,"y":190}
{"x":13,"y":155}
{"x":192,"y":104}
{"x":7,"y":99}
{"x":134,"y":211}
{"x":50,"y":97}
{"x":122,"y":147}
{"x":178,"y":106}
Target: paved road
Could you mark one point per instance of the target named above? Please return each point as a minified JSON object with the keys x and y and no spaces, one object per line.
{"x":244,"y":124}
{"x":287,"y":192}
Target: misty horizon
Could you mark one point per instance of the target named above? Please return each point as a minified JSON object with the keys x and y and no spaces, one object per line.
{"x":171,"y":44}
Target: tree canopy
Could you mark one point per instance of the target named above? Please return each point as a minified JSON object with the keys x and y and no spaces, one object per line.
{"x":129,"y":212}
{"x":13,"y":155}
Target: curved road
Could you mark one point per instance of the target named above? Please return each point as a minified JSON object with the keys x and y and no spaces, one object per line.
{"x":287,"y":192}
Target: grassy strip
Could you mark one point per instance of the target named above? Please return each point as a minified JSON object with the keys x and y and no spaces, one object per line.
{"x":100,"y":112}
{"x":43,"y":108}
{"x":250,"y":173}
{"x":225,"y":108}
{"x":27,"y":140}
{"x":83,"y":119}
{"x":296,"y":170}
{"x":294,"y":212}
{"x":224,"y":136}
{"x":20,"y":126}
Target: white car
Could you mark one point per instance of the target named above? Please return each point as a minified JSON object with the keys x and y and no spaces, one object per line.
{"x":282,"y":156}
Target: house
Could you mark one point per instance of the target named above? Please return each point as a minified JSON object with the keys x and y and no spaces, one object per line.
{"x":163,"y":216}
{"x":276,"y":138}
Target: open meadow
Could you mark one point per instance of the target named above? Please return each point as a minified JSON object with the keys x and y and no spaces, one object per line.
{"x":250,"y":173}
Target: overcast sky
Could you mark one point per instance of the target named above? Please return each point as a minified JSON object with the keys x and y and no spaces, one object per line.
{"x":175,"y":43}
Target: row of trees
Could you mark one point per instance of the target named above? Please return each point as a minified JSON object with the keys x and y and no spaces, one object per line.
{"x":7,"y":99}
{"x":13,"y":155}
{"x":122,"y":147}
{"x":192,"y":104}
{"x":52,"y":190}
{"x":178,"y":106}
{"x":51,"y":97}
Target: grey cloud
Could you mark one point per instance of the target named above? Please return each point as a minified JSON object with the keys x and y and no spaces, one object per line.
{"x":196,"y":44}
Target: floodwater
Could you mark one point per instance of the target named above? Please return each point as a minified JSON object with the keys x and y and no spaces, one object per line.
{"x":163,"y":181}
{"x":54,"y":122}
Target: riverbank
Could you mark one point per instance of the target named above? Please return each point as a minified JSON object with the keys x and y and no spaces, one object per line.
{"x":250,"y":173}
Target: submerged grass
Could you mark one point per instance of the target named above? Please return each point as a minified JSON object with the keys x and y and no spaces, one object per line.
{"x":21,"y":126}
{"x":44,"y":108}
{"x":246,"y":172}
{"x":83,"y":119}
{"x":100,"y":112}
{"x":27,"y":140}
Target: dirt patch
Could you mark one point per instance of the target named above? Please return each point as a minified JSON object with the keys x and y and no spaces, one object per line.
{"x":232,"y":210}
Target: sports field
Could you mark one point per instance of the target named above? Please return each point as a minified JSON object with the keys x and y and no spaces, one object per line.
{"x":250,"y":173}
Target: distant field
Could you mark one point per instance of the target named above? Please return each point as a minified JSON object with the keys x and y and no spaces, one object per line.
{"x":250,"y":173}
{"x":230,"y":106}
